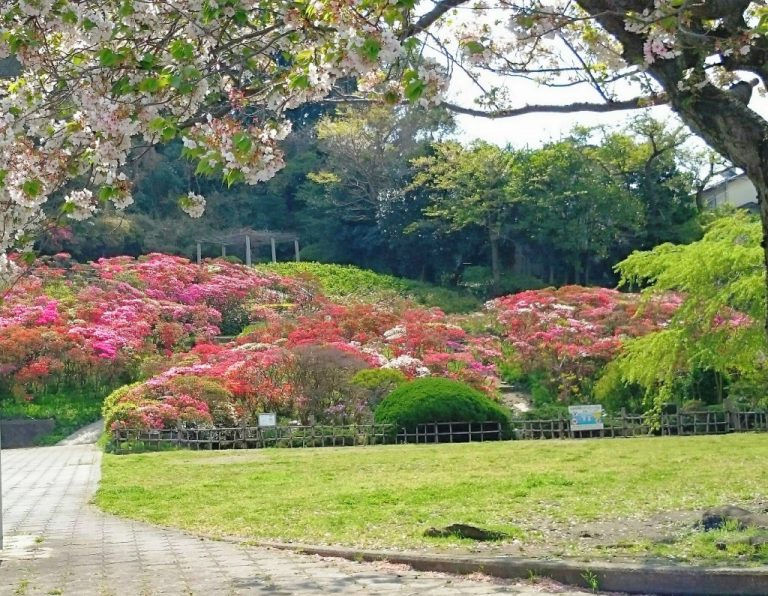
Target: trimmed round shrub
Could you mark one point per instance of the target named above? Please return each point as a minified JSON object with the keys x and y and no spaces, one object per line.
{"x":436,"y":399}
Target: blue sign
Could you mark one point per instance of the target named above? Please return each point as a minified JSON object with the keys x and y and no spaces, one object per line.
{"x":586,"y":417}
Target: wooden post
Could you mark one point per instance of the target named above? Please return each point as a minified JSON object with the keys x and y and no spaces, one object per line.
{"x":199,"y":253}
{"x":223,"y":250}
{"x":296,"y":249}
{"x":274,"y":251}
{"x":248,"y":251}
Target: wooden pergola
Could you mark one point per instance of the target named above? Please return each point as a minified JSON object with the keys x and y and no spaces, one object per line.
{"x":251,"y":238}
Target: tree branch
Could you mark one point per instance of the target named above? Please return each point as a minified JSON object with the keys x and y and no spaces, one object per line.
{"x":613,"y":106}
{"x":428,"y":18}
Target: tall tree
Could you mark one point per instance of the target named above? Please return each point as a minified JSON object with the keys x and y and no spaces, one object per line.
{"x":471,"y":186}
{"x":653,"y":160}
{"x":719,"y":324}
{"x":367,"y":153}
{"x":574,"y":209}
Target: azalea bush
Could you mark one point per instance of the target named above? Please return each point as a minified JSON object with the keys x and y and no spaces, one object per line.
{"x":328,"y":364}
{"x":417,"y":341}
{"x":107,"y":323}
{"x":562,"y":339}
{"x":66,"y":326}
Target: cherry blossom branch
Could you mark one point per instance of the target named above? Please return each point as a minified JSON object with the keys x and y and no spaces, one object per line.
{"x":613,"y":106}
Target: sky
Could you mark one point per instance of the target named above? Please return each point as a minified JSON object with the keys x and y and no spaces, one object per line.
{"x":534,"y":130}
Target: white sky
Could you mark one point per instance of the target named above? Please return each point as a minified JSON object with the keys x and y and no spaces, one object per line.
{"x":536,"y":129}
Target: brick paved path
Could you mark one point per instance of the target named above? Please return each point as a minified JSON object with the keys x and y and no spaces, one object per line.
{"x":56,"y":543}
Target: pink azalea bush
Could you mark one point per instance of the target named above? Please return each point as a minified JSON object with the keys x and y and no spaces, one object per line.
{"x":283,"y":365}
{"x":566,"y":336}
{"x":70,"y":324}
{"x":121,"y":319}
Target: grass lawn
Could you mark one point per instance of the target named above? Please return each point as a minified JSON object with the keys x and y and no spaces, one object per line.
{"x":544,"y":495}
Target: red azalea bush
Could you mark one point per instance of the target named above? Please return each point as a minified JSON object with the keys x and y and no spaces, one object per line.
{"x":566,"y":336}
{"x":301,"y":365}
{"x":417,"y":341}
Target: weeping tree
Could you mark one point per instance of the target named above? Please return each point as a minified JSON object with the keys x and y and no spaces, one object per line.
{"x":718,"y":326}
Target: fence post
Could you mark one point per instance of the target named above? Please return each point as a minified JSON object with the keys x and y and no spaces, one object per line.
{"x":243,"y":426}
{"x":728,"y":418}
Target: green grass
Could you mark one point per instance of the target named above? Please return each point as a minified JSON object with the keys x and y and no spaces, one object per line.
{"x":346,"y":281}
{"x":387,"y":496}
{"x":725,"y":545}
{"x":70,"y":410}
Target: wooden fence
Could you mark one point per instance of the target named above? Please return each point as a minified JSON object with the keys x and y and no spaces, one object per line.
{"x":682,"y":423}
{"x":244,"y":437}
{"x":247,"y":437}
{"x":452,"y":432}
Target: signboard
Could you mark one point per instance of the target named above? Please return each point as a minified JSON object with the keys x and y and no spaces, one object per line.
{"x":267,"y":420}
{"x":586,"y":417}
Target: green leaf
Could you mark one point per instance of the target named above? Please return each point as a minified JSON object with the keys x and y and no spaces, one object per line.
{"x":242,"y":142}
{"x":106,"y":193}
{"x":126,"y":9}
{"x":300,"y":81}
{"x":168,"y":133}
{"x":150,"y":85}
{"x":148,"y":62}
{"x":122,"y":86}
{"x":108,"y":58}
{"x":232,"y":177}
{"x":304,"y":57}
{"x":474,"y":47}
{"x":204,"y":168}
{"x":240,"y":17}
{"x":762,"y":25}
{"x":157,"y":124}
{"x":181,"y":50}
{"x":69,"y":17}
{"x":32,"y":188}
{"x":414,"y":90}
{"x":370,"y":48}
